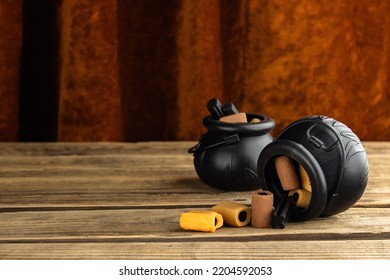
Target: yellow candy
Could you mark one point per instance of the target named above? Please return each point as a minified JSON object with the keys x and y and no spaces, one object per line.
{"x":304,"y":197}
{"x":234,"y":214}
{"x":207,"y":221}
{"x":305,"y":181}
{"x":255,"y":120}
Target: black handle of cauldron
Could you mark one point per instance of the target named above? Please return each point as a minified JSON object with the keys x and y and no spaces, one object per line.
{"x":228,"y":140}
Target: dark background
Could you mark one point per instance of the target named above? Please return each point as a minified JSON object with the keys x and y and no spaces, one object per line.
{"x":139,"y":70}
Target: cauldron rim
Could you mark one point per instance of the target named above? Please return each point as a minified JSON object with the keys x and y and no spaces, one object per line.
{"x":265,"y":125}
{"x":301,"y":155}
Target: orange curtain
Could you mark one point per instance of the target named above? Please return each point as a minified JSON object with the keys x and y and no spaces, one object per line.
{"x":139,"y":70}
{"x":10,"y":45}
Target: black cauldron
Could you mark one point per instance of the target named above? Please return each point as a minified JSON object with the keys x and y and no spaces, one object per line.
{"x":333,"y":157}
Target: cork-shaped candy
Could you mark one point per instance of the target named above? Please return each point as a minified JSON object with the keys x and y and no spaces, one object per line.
{"x":235,"y":118}
{"x":286,"y":173}
{"x":207,"y":221}
{"x":304,"y":197}
{"x":234,"y":214}
{"x":305,"y":181}
{"x":255,"y":120}
{"x":262,"y":207}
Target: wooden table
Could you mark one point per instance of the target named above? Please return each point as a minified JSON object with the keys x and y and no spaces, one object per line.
{"x":124,"y":200}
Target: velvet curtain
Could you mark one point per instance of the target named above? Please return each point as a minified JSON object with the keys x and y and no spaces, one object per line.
{"x":139,"y":70}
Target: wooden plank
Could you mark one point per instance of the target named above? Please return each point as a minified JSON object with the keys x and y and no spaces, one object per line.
{"x":252,"y":250}
{"x":124,"y":200}
{"x":136,"y":158}
{"x":94,"y":148}
{"x":156,"y":225}
{"x":132,"y":188}
{"x":376,"y":147}
{"x":47,"y":175}
{"x":117,"y":148}
{"x":118,"y":198}
{"x":124,"y":167}
{"x":107,"y":160}
{"x":164,"y":190}
{"x":36,"y":172}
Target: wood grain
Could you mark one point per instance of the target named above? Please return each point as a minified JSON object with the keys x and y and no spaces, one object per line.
{"x":163,"y":225}
{"x":252,"y":250}
{"x":124,"y":200}
{"x":110,"y":174}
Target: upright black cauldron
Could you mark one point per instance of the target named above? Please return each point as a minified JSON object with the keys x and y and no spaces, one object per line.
{"x":227,"y":154}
